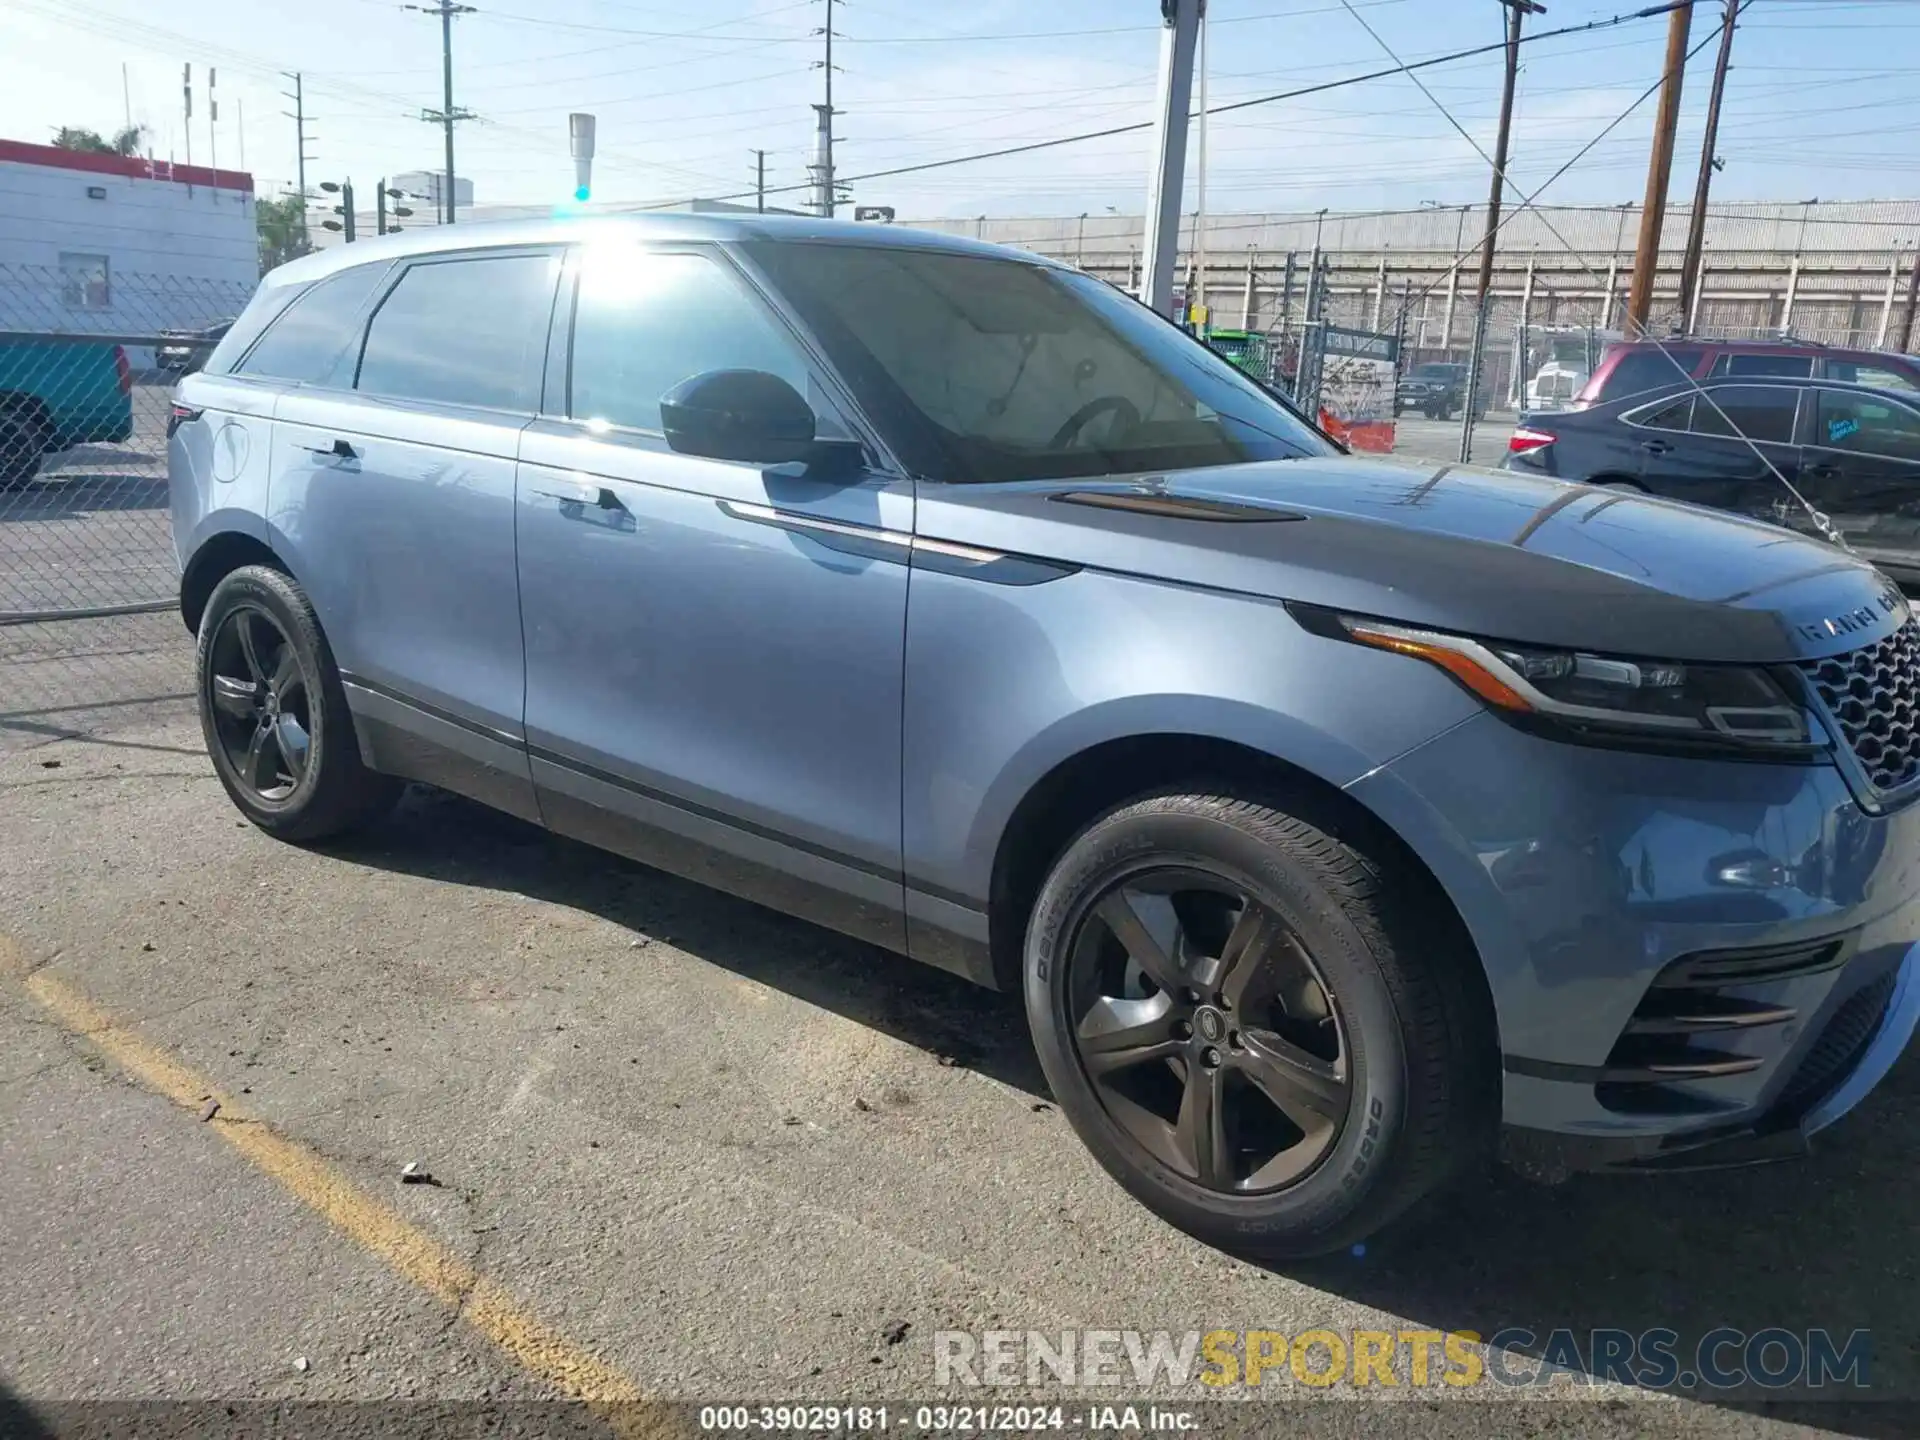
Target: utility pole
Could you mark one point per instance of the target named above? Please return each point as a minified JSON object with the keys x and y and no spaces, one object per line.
{"x":1516,"y":10}
{"x":824,"y":196}
{"x":446,"y":114}
{"x":760,"y":181}
{"x":213,"y":125}
{"x":1913,"y":304}
{"x":1697,"y":221}
{"x":186,"y":104}
{"x":1653,"y":214}
{"x":1180,"y":28}
{"x":299,"y":117}
{"x":1198,"y":314}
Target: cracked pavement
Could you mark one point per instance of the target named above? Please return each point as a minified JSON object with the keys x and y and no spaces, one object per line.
{"x":727,"y":1153}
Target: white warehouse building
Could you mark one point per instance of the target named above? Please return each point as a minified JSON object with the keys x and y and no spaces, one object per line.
{"x":118,"y":245}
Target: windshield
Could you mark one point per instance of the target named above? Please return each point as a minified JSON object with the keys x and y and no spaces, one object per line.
{"x":981,"y":369}
{"x":1436,"y":372}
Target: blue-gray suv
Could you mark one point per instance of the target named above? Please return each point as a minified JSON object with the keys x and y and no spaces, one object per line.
{"x":1327,"y":811}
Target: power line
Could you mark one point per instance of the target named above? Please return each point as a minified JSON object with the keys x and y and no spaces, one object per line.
{"x":1399,"y":69}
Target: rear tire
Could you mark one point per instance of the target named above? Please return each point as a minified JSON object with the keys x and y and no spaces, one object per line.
{"x":1307,"y":996}
{"x":274,"y":714}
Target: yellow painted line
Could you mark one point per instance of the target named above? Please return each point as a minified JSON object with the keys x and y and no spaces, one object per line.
{"x":375,"y":1226}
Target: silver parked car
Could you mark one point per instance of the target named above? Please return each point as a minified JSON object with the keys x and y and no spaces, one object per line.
{"x":1327,"y":811}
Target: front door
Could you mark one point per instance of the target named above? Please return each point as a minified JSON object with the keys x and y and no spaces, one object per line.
{"x":1862,"y":468}
{"x":393,"y":497}
{"x":714,"y":650}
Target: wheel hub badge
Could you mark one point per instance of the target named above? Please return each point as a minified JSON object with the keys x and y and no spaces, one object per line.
{"x":1209,"y":1023}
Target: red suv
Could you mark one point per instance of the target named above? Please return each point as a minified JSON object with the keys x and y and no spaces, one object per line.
{"x":1632,"y":366}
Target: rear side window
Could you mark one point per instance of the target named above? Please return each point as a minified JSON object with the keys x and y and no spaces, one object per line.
{"x":464,"y":332}
{"x":1755,"y":412}
{"x":1792,"y":367}
{"x":315,"y":330}
{"x":645,"y":321}
{"x":1881,"y":377}
{"x":1676,"y":416}
{"x":1645,"y":368}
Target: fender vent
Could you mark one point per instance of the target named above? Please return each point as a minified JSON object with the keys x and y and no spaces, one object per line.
{"x":1177,"y":507}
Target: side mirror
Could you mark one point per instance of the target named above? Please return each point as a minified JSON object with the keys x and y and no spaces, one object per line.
{"x":746,"y":415}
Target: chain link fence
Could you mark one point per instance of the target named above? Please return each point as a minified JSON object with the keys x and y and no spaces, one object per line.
{"x":88,"y":578}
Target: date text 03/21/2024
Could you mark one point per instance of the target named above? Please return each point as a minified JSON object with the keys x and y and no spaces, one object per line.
{"x":941,"y":1419}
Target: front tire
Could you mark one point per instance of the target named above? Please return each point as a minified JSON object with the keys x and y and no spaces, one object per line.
{"x":274,"y":714}
{"x":1254,"y":1026}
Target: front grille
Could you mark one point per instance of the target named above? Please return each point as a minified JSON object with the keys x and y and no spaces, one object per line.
{"x":1873,"y":695}
{"x":1840,"y":1046}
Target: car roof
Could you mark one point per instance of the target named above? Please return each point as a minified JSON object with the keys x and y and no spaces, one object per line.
{"x":1756,"y":347}
{"x":1658,"y":394}
{"x":653,"y":225}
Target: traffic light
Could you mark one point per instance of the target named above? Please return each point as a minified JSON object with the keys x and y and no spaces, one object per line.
{"x":344,"y":209}
{"x":380,"y":210}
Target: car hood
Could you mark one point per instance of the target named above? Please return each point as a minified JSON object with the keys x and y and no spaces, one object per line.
{"x":1493,"y":553}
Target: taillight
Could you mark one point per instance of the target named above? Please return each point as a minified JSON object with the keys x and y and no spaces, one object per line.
{"x":1524,"y":440}
{"x":122,"y":369}
{"x":178,"y":416}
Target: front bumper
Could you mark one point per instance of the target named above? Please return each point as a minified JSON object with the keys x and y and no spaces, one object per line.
{"x":1691,"y":961}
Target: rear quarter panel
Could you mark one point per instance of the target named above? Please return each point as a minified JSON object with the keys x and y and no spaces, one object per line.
{"x":217,"y":466}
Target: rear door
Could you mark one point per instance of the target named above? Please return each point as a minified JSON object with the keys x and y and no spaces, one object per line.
{"x":1738,"y":447}
{"x":220,"y":470}
{"x":1862,"y":468}
{"x":393,"y":499}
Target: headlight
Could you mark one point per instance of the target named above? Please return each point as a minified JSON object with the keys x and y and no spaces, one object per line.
{"x":1738,"y":706}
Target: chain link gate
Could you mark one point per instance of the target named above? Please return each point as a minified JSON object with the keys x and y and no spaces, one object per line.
{"x":88,"y":579}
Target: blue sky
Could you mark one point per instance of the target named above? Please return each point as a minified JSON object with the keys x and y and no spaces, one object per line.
{"x":1822,"y":101}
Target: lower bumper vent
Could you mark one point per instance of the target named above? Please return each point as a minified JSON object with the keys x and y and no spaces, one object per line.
{"x":1840,"y":1046}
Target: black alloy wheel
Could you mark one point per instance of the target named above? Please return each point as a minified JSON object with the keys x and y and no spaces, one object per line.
{"x":274,"y":712}
{"x":260,"y":699}
{"x":1206,"y":1030}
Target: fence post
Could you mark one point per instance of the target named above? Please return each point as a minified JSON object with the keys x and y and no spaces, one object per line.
{"x":1473,"y":377}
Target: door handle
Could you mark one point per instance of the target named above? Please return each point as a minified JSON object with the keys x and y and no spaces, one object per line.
{"x":1655,"y":447}
{"x":1823,"y":472}
{"x":338,"y":450}
{"x":601,"y":498}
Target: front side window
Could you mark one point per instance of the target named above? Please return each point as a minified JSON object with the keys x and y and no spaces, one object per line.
{"x":1752,"y":412}
{"x":1866,"y":426}
{"x":313,"y":333}
{"x":464,"y":332}
{"x":644,"y":321}
{"x":1881,"y":377}
{"x":986,"y":369}
{"x":85,"y":282}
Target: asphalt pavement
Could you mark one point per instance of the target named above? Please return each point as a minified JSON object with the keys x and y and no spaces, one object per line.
{"x":681,"y":1148}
